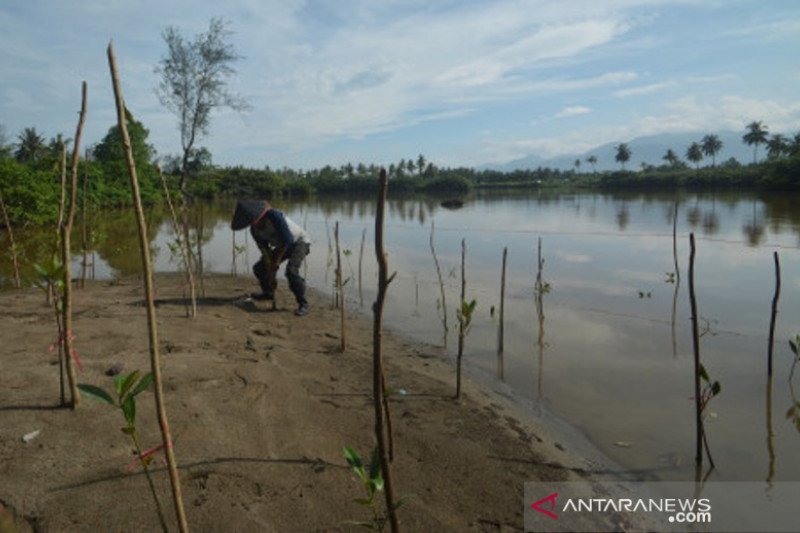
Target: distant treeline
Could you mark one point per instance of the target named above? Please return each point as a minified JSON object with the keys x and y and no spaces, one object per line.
{"x":30,"y":176}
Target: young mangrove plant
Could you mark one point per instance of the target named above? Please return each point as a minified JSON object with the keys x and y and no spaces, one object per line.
{"x":704,"y":388}
{"x":464,"y":317}
{"x":181,"y":247}
{"x":441,"y":303}
{"x":147,"y":269}
{"x":126,"y":389}
{"x":50,"y":278}
{"x":372,"y":481}
{"x":66,"y":257}
{"x":380,"y":404}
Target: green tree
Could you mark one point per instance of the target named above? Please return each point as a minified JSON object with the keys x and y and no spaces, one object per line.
{"x":695,"y":154}
{"x":777,"y":146}
{"x":623,"y":154}
{"x":592,"y":160}
{"x":671,"y":158}
{"x":193,"y":83}
{"x":421,"y":162}
{"x":711,"y":146}
{"x":5,"y":147}
{"x":31,"y":146}
{"x":110,"y":154}
{"x":756,"y":134}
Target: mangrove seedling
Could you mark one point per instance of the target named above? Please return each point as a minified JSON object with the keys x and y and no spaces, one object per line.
{"x":464,"y":317}
{"x":372,"y":481}
{"x":126,"y":389}
{"x":50,"y":279}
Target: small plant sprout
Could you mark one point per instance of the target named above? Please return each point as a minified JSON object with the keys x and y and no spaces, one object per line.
{"x":126,"y":389}
{"x":464,"y":316}
{"x":372,"y":481}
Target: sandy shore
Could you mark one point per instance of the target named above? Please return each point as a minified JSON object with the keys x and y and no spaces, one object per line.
{"x":260,"y":404}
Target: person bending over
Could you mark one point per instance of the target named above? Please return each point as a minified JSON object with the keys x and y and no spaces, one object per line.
{"x":279,"y":239}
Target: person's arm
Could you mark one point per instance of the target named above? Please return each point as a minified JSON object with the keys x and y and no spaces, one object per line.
{"x":279,"y":221}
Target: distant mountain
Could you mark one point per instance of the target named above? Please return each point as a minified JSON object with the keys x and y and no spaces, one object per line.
{"x":647,"y":150}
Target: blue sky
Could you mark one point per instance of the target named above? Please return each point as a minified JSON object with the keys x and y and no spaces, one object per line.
{"x":463,"y":82}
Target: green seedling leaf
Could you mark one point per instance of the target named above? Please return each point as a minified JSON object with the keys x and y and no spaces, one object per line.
{"x":716,"y":388}
{"x":129,"y":410}
{"x":703,"y":373}
{"x":41,"y":271}
{"x":118,"y":381}
{"x":143,"y":384}
{"x":95,"y":393}
{"x":402,"y":500}
{"x":355,"y":463}
{"x":128,"y":383}
{"x":793,"y":346}
{"x":375,"y":468}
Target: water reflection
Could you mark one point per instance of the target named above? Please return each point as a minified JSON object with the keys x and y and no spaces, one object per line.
{"x":607,"y":352}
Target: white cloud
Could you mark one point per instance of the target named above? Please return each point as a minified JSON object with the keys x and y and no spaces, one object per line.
{"x":572,"y":111}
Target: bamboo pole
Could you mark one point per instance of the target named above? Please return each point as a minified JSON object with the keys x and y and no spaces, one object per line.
{"x":182,"y":246}
{"x":66,"y":258}
{"x":698,"y":458}
{"x":155,"y":362}
{"x":461,"y":318}
{"x":83,"y":218}
{"x":340,"y":287}
{"x":378,"y":384}
{"x":17,"y":280}
{"x":501,"y":330}
{"x":774,"y":314}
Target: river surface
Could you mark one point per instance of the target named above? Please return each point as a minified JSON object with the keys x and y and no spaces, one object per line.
{"x":609,"y":348}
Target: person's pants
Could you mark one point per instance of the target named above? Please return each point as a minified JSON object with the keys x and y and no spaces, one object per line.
{"x":266,"y":275}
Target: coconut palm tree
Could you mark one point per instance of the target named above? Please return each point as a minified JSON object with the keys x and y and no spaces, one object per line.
{"x":31,"y":146}
{"x":623,"y":154}
{"x":777,"y":146}
{"x":694,"y":154}
{"x":592,"y":160}
{"x":711,"y":145}
{"x":671,"y":157}
{"x":756,"y":134}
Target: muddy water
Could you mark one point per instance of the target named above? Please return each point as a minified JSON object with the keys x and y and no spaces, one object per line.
{"x":609,"y":349}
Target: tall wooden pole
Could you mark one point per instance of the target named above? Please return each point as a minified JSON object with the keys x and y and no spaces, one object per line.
{"x":774,"y":314}
{"x":377,"y":357}
{"x":144,"y":248}
{"x":698,"y":458}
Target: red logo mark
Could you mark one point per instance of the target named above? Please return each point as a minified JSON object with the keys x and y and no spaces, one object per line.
{"x":552,"y":500}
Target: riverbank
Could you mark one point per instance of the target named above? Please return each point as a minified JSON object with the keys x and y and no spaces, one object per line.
{"x":260,"y":404}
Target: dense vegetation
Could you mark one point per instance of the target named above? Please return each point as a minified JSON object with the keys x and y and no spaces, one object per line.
{"x":30,"y":173}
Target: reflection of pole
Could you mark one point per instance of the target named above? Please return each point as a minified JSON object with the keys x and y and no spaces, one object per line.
{"x":774,"y":312}
{"x":674,"y":312}
{"x":770,"y":433}
{"x":501,"y":332}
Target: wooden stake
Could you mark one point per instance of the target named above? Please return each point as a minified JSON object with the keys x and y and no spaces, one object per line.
{"x":360,"y":260}
{"x":774,"y":315}
{"x":461,"y":319}
{"x":378,"y":385}
{"x":66,"y":258}
{"x":155,"y":362}
{"x":501,"y":332}
{"x":340,"y":286}
{"x":441,"y":289}
{"x":698,"y":458}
